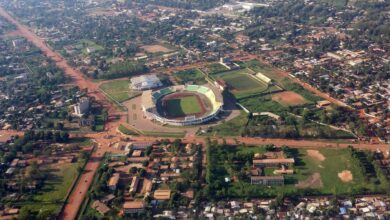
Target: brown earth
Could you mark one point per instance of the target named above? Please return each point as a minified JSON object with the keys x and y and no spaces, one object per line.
{"x":155,"y":48}
{"x":345,"y":176}
{"x":314,"y":181}
{"x":288,"y":98}
{"x":316,"y":155}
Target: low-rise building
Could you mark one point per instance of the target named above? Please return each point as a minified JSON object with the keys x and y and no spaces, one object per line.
{"x":113,"y":182}
{"x":132,"y":207}
{"x":267,"y":180}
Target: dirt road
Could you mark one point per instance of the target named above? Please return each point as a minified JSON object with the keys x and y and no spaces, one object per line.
{"x":78,"y":79}
{"x":110,"y":135}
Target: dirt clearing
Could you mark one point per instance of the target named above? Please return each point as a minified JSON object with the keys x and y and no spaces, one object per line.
{"x":345,"y":176}
{"x":315,"y":154}
{"x":314,"y":181}
{"x":155,"y":49}
{"x":289,"y":98}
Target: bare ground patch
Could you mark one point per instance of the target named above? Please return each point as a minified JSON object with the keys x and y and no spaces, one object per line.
{"x":315,"y":154}
{"x":288,"y":98}
{"x":156,"y":48}
{"x":314,"y":181}
{"x":345,"y":176}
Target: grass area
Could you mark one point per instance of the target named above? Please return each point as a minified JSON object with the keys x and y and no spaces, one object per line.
{"x":233,"y":127}
{"x":265,"y":69}
{"x":288,"y":85}
{"x":127,"y":131}
{"x":221,"y":165}
{"x":192,"y":75}
{"x":242,"y":84}
{"x":80,"y":141}
{"x":262,"y":103}
{"x":119,"y":90}
{"x":188,"y":105}
{"x":164,"y":134}
{"x":55,"y":188}
{"x":99,"y":123}
{"x":216,"y":68}
{"x":84,"y":44}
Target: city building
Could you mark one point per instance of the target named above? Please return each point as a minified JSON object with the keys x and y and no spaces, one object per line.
{"x":133,"y":207}
{"x":134,"y":184}
{"x":82,"y":107}
{"x":113,"y":182}
{"x":259,"y":163}
{"x":162,"y":194}
{"x":267,"y":180}
{"x":145,"y":82}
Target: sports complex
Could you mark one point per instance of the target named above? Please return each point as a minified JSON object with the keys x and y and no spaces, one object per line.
{"x":182,"y":105}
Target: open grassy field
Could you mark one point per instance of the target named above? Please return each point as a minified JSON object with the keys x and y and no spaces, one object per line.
{"x":119,"y":90}
{"x":192,"y":75}
{"x":183,"y":106}
{"x":84,"y":44}
{"x":233,"y":127}
{"x":55,"y":188}
{"x":242,"y":84}
{"x":315,"y":173}
{"x":216,"y":68}
{"x":265,"y":69}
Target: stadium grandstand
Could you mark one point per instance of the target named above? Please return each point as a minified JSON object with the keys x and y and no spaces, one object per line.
{"x":151,"y":98}
{"x":145,"y":82}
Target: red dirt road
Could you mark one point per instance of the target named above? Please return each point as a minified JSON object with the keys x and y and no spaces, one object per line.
{"x":104,"y":141}
{"x":79,"y":192}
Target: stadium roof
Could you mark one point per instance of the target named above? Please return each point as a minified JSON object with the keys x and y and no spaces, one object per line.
{"x":145,"y":82}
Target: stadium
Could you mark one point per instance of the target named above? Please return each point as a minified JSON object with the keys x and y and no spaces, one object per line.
{"x":182,"y":105}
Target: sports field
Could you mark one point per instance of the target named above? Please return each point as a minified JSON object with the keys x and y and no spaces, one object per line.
{"x":242,"y":83}
{"x":183,"y":106}
{"x":118,"y":90}
{"x":316,"y":172}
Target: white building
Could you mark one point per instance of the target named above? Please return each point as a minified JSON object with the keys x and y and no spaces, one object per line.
{"x":82,"y":107}
{"x":145,"y":82}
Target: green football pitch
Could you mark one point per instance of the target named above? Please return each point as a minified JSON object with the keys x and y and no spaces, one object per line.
{"x":183,"y":106}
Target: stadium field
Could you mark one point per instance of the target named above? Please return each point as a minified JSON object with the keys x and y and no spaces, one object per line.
{"x":241,"y":83}
{"x":180,"y":107}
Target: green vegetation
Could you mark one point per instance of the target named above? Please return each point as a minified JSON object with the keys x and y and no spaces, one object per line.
{"x":50,"y":198}
{"x":288,"y":85}
{"x":119,"y":90}
{"x":263,"y":103}
{"x":242,"y":84}
{"x":265,"y":69}
{"x":183,"y":106}
{"x":84,"y":44}
{"x":216,"y":68}
{"x":192,"y":75}
{"x":164,"y":134}
{"x":100,"y":117}
{"x":127,"y":131}
{"x":123,"y":69}
{"x":234,"y":127}
{"x":236,"y":161}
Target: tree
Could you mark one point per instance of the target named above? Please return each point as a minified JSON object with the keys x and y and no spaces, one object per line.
{"x":25,"y":213}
